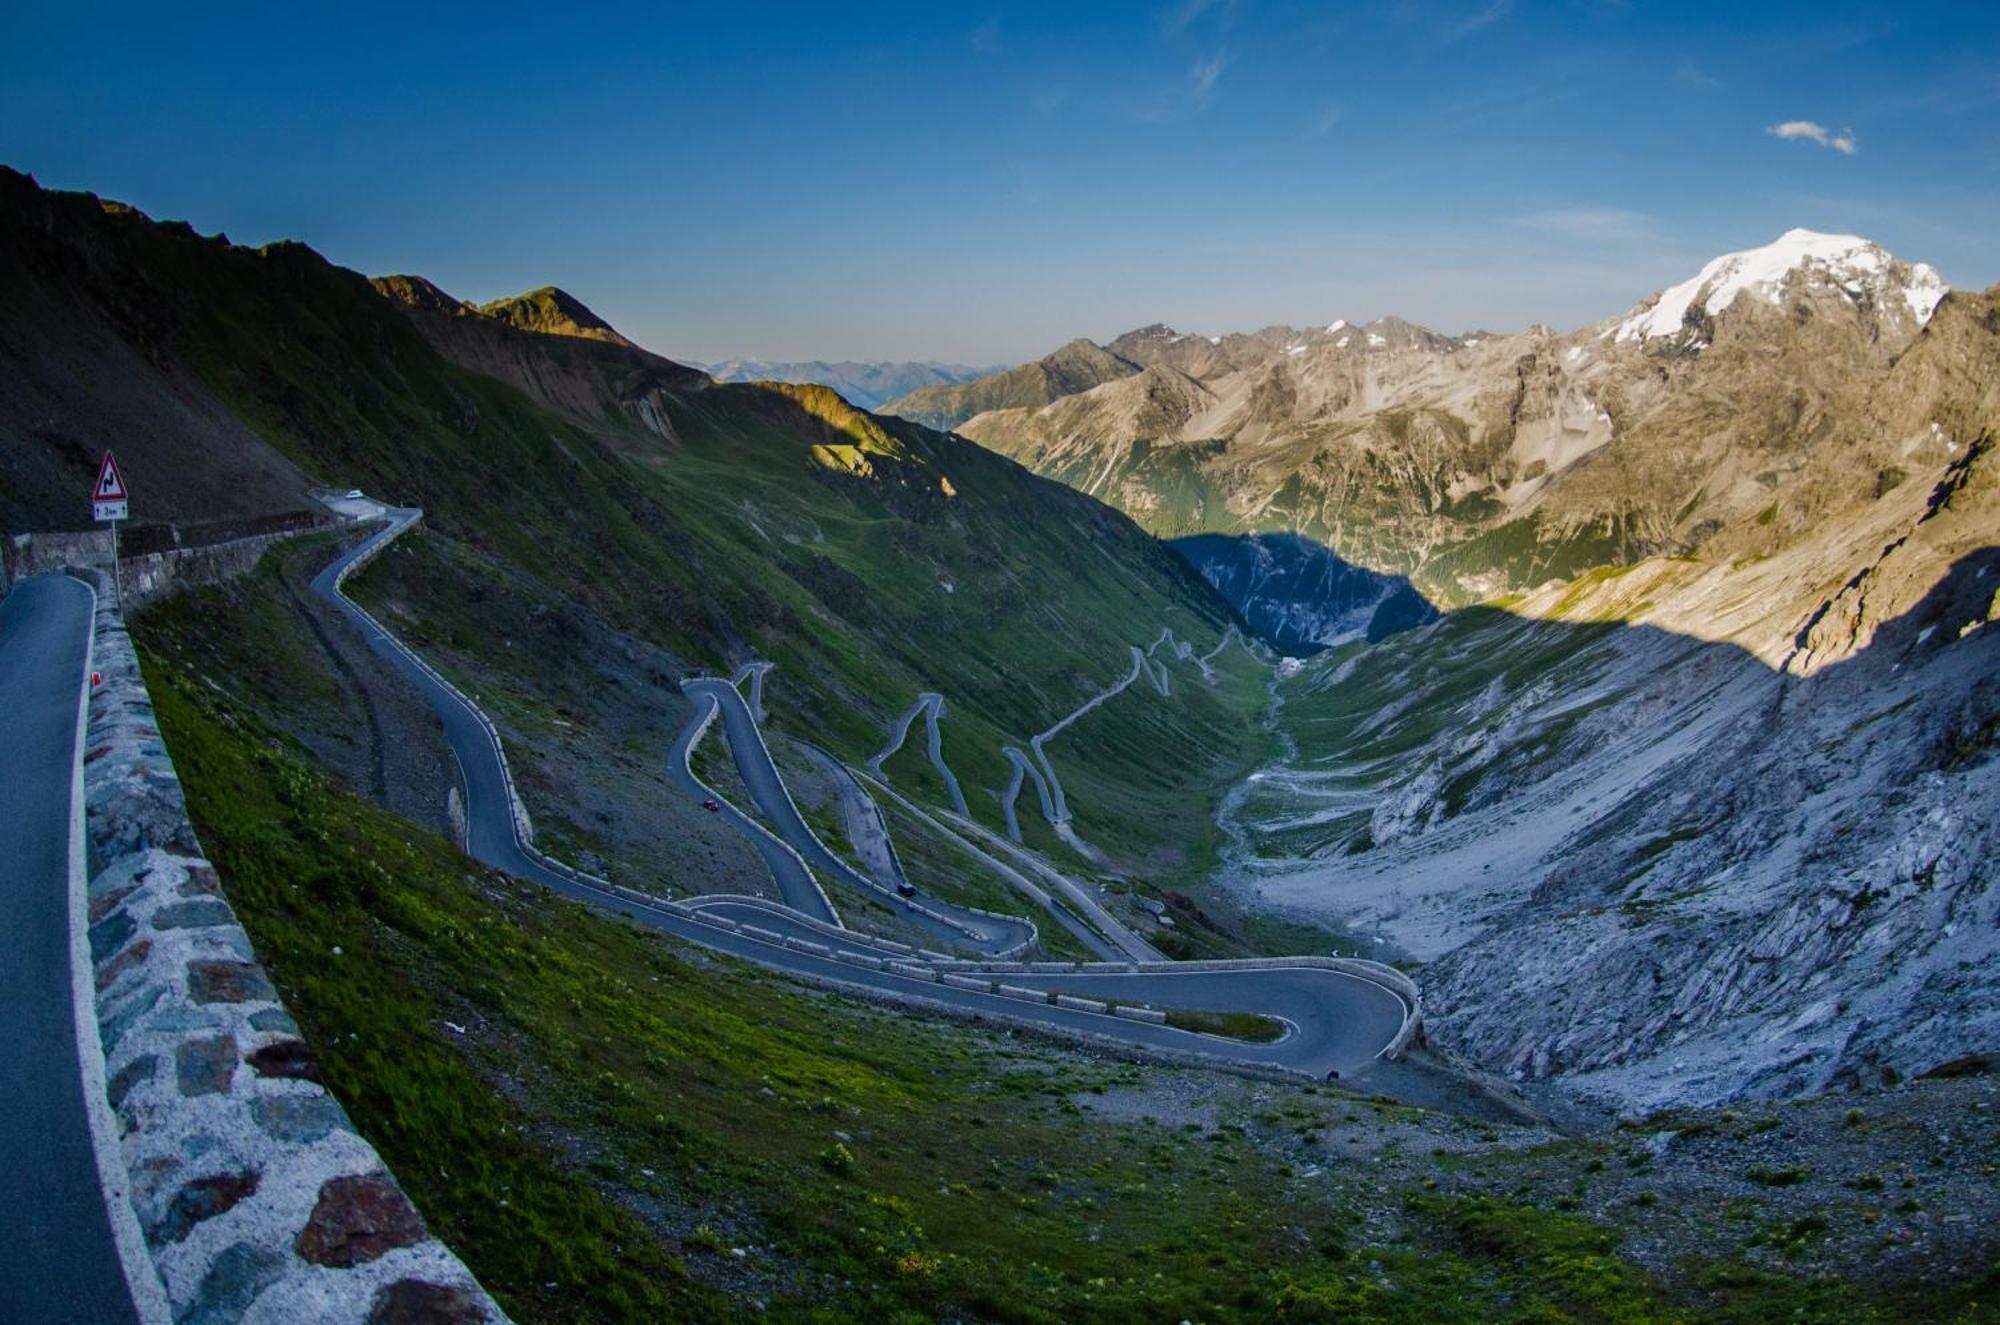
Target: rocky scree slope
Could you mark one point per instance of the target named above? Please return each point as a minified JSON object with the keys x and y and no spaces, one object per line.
{"x":1484,"y":463}
{"x":1699,"y":828}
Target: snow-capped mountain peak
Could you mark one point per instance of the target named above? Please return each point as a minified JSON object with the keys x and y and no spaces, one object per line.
{"x":1849,"y":261}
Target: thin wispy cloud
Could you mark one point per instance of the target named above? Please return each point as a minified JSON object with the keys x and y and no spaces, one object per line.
{"x":1594,"y":225}
{"x":1179,"y":18}
{"x":986,"y":37}
{"x":1189,"y":95}
{"x":1477,"y":21}
{"x":1205,"y":73}
{"x":1690,"y":76}
{"x":1808,"y":131}
{"x":1322,"y":124}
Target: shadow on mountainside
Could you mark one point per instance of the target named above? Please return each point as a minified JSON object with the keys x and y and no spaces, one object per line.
{"x":1298,"y":595}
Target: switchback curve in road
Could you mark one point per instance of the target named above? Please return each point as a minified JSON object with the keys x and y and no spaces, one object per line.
{"x":767,"y":789}
{"x":931,"y":704}
{"x":788,"y":868}
{"x":1062,"y":914}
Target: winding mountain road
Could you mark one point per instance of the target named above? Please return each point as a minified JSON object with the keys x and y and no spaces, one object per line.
{"x":931,"y":704}
{"x":953,"y":925}
{"x":788,"y":868}
{"x":963,"y":838}
{"x":1337,"y":1019}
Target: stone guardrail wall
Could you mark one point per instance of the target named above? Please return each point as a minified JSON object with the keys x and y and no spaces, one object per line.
{"x":249,"y":1182}
{"x":149,"y":578}
{"x":145,"y":578}
{"x":23,"y":555}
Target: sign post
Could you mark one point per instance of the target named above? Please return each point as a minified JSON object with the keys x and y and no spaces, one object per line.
{"x":109,"y":501}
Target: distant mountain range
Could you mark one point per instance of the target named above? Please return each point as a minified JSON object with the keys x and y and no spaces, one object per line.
{"x":1727,"y":413}
{"x":869,"y":384}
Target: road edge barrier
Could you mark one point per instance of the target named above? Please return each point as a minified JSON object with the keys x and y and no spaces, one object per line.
{"x":248,"y":1180}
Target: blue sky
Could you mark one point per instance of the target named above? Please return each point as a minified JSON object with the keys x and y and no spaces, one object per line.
{"x":981,"y":183}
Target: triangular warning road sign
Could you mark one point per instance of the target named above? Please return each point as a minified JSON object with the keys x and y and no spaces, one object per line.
{"x":110,"y":483}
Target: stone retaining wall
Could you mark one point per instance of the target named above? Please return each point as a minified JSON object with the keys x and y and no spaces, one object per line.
{"x":23,"y":555}
{"x":142,"y":579}
{"x":256,"y":1196}
{"x":149,"y":578}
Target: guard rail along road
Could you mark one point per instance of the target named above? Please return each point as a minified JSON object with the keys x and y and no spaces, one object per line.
{"x":247,"y":1179}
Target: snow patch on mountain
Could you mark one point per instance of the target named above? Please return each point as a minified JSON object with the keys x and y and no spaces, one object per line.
{"x":1849,"y":261}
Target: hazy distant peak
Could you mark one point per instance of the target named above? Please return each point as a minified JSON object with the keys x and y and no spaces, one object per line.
{"x":868,"y":383}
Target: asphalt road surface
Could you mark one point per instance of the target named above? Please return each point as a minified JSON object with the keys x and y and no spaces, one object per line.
{"x":931,"y":704}
{"x":61,"y":1261}
{"x":788,"y":868}
{"x":767,"y":788}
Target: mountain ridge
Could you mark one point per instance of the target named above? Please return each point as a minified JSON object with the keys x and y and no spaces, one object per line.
{"x":867,"y":383}
{"x":588,"y":502}
{"x":1075,"y":366}
{"x":1482,"y":464}
{"x":554,"y":312}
